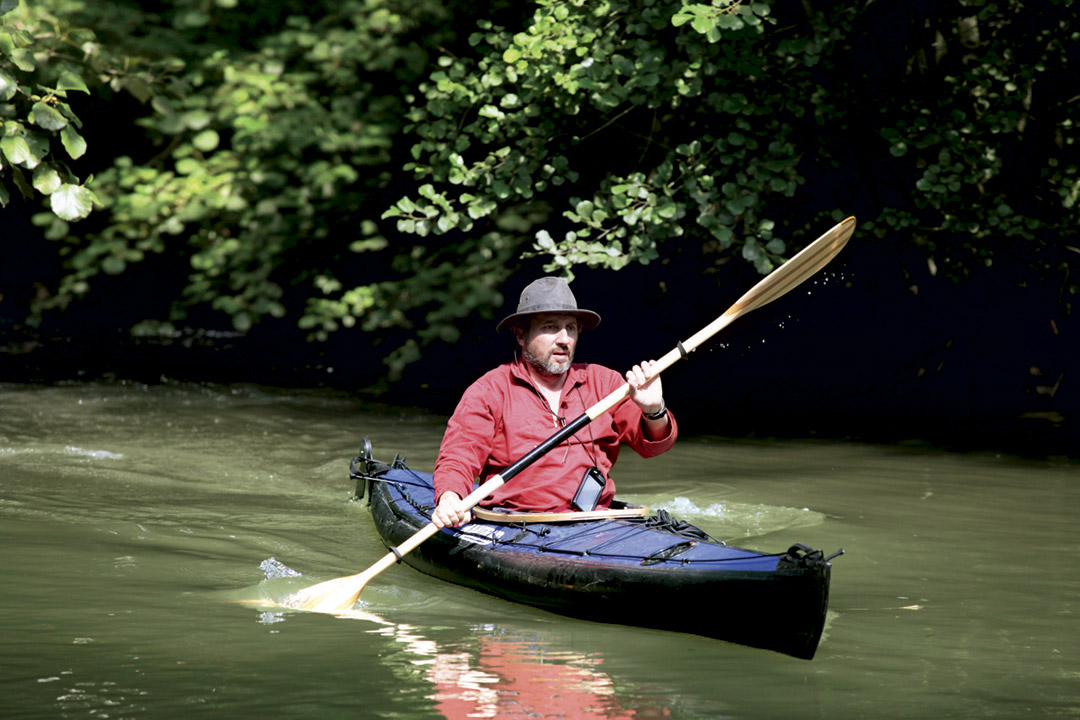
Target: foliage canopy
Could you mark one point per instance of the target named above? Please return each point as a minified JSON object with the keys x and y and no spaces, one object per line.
{"x":272,"y":149}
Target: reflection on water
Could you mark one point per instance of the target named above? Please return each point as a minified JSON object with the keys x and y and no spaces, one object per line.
{"x":494,"y":673}
{"x":505,"y":677}
{"x":136,"y":521}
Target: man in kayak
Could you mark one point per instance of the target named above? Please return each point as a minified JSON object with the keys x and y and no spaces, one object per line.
{"x":515,"y":407}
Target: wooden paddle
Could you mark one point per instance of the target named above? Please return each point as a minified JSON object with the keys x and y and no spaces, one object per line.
{"x":340,"y":594}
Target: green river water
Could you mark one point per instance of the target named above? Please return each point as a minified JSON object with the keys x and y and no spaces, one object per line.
{"x":134,"y":518}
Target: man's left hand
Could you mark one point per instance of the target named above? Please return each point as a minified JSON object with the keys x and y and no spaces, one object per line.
{"x":645,"y":388}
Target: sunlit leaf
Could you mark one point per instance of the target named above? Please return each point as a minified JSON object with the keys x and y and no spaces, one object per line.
{"x":16,"y":150}
{"x":8,"y":85}
{"x":196,"y":119}
{"x":47,"y":117}
{"x":46,"y":179}
{"x":207,"y":140}
{"x":71,"y":202}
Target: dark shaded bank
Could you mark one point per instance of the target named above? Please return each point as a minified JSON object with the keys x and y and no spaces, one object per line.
{"x":876,"y":348}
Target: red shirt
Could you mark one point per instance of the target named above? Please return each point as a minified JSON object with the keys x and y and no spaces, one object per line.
{"x":502,"y":416}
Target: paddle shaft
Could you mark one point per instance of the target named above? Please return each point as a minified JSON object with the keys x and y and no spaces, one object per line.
{"x":812,"y":258}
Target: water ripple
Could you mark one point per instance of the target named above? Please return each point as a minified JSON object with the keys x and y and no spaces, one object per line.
{"x":96,"y":454}
{"x":274,"y":569}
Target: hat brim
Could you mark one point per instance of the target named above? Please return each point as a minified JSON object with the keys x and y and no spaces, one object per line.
{"x":589,"y":320}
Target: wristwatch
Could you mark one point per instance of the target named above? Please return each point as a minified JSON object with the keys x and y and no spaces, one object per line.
{"x":659,"y":413}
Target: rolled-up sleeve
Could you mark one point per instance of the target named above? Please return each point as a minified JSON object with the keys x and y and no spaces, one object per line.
{"x":628,"y":425}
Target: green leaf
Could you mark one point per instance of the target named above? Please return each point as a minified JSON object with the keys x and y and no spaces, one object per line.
{"x":39,"y":148}
{"x":776,"y":246}
{"x":730,"y":22}
{"x":16,"y":151}
{"x":71,"y":202}
{"x":188,"y":166}
{"x":20,"y":182}
{"x":242,"y":321}
{"x":736,"y":206}
{"x":23,"y":59}
{"x":8,"y":85}
{"x":71,"y":81}
{"x":207,"y":140}
{"x":703,"y":24}
{"x":751,"y":250}
{"x":113,"y":265}
{"x":196,"y":119}
{"x":46,"y":179}
{"x":139,"y":88}
{"x":763,"y":265}
{"x":73,"y":142}
{"x":47,"y":117}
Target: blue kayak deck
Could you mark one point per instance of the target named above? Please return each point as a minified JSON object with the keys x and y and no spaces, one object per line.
{"x":621,"y":541}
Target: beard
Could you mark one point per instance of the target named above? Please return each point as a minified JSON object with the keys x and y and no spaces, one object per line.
{"x":546,"y":366}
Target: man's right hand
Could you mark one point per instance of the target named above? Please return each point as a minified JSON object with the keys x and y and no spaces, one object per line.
{"x":450,"y":511}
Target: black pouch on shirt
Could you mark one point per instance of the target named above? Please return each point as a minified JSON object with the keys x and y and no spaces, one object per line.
{"x":590,"y":490}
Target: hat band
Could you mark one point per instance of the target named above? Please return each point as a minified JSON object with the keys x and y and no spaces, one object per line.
{"x":548,"y":308}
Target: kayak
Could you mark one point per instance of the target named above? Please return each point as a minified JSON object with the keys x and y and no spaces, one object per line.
{"x":625,"y":567}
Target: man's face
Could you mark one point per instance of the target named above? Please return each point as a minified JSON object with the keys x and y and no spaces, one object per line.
{"x":549,"y":342}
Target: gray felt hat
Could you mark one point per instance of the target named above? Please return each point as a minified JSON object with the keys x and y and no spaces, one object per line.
{"x":549,"y":295}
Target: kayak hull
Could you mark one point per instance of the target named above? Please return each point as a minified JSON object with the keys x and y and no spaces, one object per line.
{"x":668,"y":576}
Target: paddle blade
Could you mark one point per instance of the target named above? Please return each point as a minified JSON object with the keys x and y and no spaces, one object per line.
{"x":792,"y":273}
{"x":337,"y":596}
{"x":331,"y":596}
{"x":806,"y":262}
